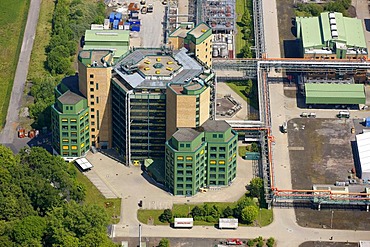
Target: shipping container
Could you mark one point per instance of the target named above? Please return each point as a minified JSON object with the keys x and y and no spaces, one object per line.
{"x":111,"y":17}
{"x":183,"y":222}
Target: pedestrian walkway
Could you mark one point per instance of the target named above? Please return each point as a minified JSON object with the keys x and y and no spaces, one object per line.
{"x":100,"y":184}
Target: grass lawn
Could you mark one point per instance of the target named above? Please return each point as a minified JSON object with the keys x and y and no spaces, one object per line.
{"x":93,"y":196}
{"x":240,"y":90}
{"x":264,"y":218}
{"x":239,"y":41}
{"x":13,"y":17}
{"x":43,"y":32}
{"x":242,"y":150}
{"x":144,"y":216}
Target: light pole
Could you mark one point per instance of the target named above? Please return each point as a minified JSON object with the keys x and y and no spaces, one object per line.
{"x":331,"y":220}
{"x":139,"y":235}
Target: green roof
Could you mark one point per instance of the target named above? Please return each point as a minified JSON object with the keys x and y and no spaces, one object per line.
{"x":115,"y":40}
{"x":311,"y":34}
{"x":334,"y":93}
{"x":357,"y":36}
{"x":107,"y":35}
{"x":315,"y":31}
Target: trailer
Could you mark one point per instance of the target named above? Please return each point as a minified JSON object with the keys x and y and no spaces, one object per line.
{"x":228,"y":223}
{"x":183,"y":223}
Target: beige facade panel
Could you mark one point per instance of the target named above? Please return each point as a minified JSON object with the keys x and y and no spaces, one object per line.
{"x":186,"y":111}
{"x":204,"y":103}
{"x":171,"y":109}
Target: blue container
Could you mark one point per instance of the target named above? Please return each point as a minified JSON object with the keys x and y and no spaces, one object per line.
{"x":134,"y":22}
{"x":367,"y":122}
{"x":135,"y":28}
{"x":115,"y":24}
{"x":111,"y":17}
{"x":118,"y":16}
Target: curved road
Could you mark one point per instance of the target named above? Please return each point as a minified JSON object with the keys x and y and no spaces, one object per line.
{"x":8,"y":134}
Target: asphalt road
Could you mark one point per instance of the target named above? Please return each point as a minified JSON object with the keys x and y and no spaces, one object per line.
{"x":8,"y":134}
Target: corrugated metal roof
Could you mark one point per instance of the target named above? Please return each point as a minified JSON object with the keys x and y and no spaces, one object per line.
{"x":311,"y":34}
{"x":357,"y":36}
{"x":334,"y":93}
{"x":363,"y":146}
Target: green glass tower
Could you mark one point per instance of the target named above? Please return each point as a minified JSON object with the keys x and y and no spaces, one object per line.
{"x":200,"y":157}
{"x":70,"y":123}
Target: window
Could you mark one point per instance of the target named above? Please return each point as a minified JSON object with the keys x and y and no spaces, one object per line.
{"x":213,"y":169}
{"x":213,"y":156}
{"x":91,"y":96}
{"x":97,"y":86}
{"x":212,"y":162}
{"x":189,"y":158}
{"x":93,"y":130}
{"x":91,"y":75}
{"x":180,"y":172}
{"x":189,"y":179}
{"x":97,"y":100}
{"x":65,"y":147}
{"x":65,"y":140}
{"x":180,"y":157}
{"x":188,"y":186}
{"x":91,"y":89}
{"x":74,"y":147}
{"x":74,"y":154}
{"x":73,"y":127}
{"x":221,"y":169}
{"x":188,"y":145}
{"x":214,"y":135}
{"x":65,"y":134}
{"x":221,"y":162}
{"x":180,"y":186}
{"x":93,"y":136}
{"x":220,"y":135}
{"x":222,"y":149}
{"x":73,"y":120}
{"x":74,"y":134}
{"x":212,"y":175}
{"x":221,"y":156}
{"x":92,"y":116}
{"x":180,"y":165}
{"x":181,"y":145}
{"x":64,"y":120}
{"x":64,"y":127}
{"x":189,"y":173}
{"x":74,"y":141}
{"x":92,"y":123}
{"x":213,"y":149}
{"x":91,"y":82}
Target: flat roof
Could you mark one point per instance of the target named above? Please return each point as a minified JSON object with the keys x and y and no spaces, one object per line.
{"x":70,"y":98}
{"x":188,"y":68}
{"x":186,"y":134}
{"x":107,"y":35}
{"x":311,"y":34}
{"x":317,"y":93}
{"x":215,"y":125}
{"x":199,"y":30}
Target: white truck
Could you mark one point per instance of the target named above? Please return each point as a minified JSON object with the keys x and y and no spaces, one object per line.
{"x":183,"y":223}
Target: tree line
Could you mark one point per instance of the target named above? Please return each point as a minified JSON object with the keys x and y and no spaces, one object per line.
{"x":246,"y":210}
{"x":70,"y":20}
{"x":247,"y":29}
{"x":315,"y":9}
{"x":41,"y":203}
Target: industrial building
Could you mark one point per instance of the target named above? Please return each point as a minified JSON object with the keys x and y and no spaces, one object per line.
{"x":331,"y":36}
{"x":363,"y":147}
{"x":337,"y":94}
{"x":70,"y":122}
{"x":219,"y":15}
{"x":117,"y":41}
{"x":197,"y":40}
{"x":139,"y":84}
{"x":201,"y":157}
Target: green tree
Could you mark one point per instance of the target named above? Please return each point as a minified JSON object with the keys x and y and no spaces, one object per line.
{"x":249,"y":214}
{"x":270,"y":242}
{"x":197,"y":211}
{"x":246,"y":201}
{"x":248,"y":87}
{"x":164,"y":243}
{"x":256,"y":187}
{"x":166,"y":216}
{"x":250,"y":242}
{"x":260,"y":243}
{"x":29,"y":230}
{"x":227,"y":212}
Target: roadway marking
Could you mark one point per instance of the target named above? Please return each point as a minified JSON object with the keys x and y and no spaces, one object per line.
{"x":296,"y":148}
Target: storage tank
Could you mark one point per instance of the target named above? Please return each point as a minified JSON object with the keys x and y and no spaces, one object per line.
{"x":215,"y":52}
{"x":224,"y":52}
